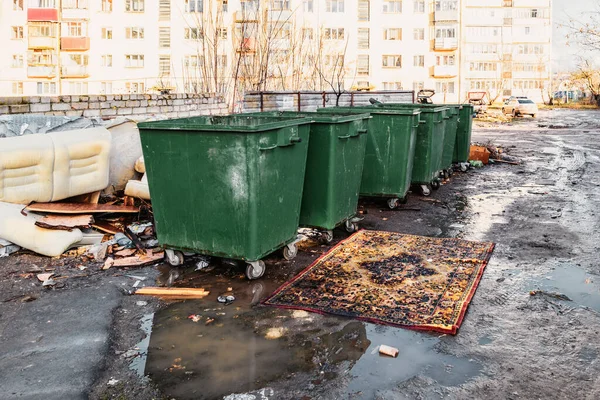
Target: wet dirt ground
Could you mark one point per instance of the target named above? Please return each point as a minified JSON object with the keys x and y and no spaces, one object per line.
{"x":531,"y":330}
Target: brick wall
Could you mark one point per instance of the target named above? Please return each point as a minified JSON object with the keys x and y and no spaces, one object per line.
{"x":111,"y":106}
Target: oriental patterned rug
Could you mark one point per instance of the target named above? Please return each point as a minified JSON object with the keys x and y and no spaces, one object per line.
{"x":389,"y":278}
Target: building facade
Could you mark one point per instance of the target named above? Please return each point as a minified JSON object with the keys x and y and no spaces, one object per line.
{"x":75,"y":47}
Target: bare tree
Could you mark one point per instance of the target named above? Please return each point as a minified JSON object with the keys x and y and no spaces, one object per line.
{"x":590,"y":78}
{"x":332,"y":68}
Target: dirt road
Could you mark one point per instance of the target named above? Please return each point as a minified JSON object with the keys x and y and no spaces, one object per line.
{"x":543,"y":216}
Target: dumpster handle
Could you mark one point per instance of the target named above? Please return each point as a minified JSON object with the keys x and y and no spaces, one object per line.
{"x":296,"y":140}
{"x":358,"y":133}
{"x":362,"y":131}
{"x":267,"y":148}
{"x":293,"y":141}
{"x":438,"y":122}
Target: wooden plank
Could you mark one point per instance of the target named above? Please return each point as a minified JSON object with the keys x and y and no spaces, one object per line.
{"x":181,"y":293}
{"x":135,"y":261}
{"x":65,"y":222}
{"x":91,"y":198}
{"x":80,"y":208}
{"x":106,"y":227}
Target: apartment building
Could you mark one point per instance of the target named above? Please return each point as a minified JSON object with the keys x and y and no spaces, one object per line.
{"x":139,"y":46}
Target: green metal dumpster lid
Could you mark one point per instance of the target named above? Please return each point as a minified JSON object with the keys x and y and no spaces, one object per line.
{"x":371,"y":110}
{"x":425,"y":108}
{"x":317,"y":117}
{"x":225,"y":123}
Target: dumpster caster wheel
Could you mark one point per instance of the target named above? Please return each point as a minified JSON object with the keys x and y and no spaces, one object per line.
{"x":255,"y":269}
{"x":393,"y":203}
{"x":327,"y":237}
{"x":435,"y":185}
{"x":450,"y":172}
{"x":174,"y":258}
{"x":425,"y":190}
{"x":464,"y":167}
{"x":351,"y":227}
{"x":290,"y":252}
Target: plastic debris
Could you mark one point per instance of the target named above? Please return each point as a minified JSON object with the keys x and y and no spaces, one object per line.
{"x":388,"y":351}
{"x":195,"y":317}
{"x":202,"y":263}
{"x":476,"y":164}
{"x":226,"y":299}
{"x":112,"y":382}
{"x":7,"y":248}
{"x":138,"y":228}
{"x":141,"y":303}
{"x":123,"y":240}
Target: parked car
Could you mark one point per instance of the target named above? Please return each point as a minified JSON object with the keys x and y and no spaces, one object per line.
{"x":520,"y":106}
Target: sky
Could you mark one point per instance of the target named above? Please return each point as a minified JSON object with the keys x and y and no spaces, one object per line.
{"x":564,"y":56}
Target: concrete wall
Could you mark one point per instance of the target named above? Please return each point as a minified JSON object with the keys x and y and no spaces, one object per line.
{"x":110,"y":106}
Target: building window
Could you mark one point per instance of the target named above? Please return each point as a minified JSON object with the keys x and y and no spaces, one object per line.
{"x":334,"y":33}
{"x":222,"y":60}
{"x":391,"y":61}
{"x":134,"y":5}
{"x":164,"y":65}
{"x":134,"y":87}
{"x":17,"y":32}
{"x":249,"y":6}
{"x":17,"y":5}
{"x":41,"y":29}
{"x":418,"y":86}
{"x":134,"y":60}
{"x":419,"y":61}
{"x":46,"y":88}
{"x":335,"y":6}
{"x":17,"y":61}
{"x":527,"y":30}
{"x":192,"y":61}
{"x":42,"y":4}
{"x":446,"y":60}
{"x":106,"y":60}
{"x":307,"y":33}
{"x":192,"y":33}
{"x":107,"y":33}
{"x":419,"y":34}
{"x":225,"y":5}
{"x":444,"y":33}
{"x":134,"y":32}
{"x":107,"y":5}
{"x":392,"y":34}
{"x":164,"y":10}
{"x":164,"y":37}
{"x":419,"y":6}
{"x":392,"y":85}
{"x":17,"y":88}
{"x":308,"y":5}
{"x":534,"y":12}
{"x":281,"y":5}
{"x":106,"y":87}
{"x":392,"y":6}
{"x":364,"y":10}
{"x":75,"y":4}
{"x":194,"y":6}
{"x":444,"y":87}
{"x":446,"y":5}
{"x":74,"y":29}
{"x":362,"y":64}
{"x":75,"y":87}
{"x":222,"y":33}
{"x":363,"y":85}
{"x":41,"y":57}
{"x":363,"y":38}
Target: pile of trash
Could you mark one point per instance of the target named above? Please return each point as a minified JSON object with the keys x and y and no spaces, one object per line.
{"x":488,"y":153}
{"x":81,"y":191}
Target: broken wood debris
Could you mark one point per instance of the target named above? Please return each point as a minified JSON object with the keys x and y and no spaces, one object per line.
{"x":133,"y":261}
{"x":173,"y":292}
{"x":80,"y":208}
{"x":65,"y":222}
{"x":106,"y":227}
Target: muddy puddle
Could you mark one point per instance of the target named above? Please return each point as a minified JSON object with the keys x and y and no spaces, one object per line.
{"x":205,"y":350}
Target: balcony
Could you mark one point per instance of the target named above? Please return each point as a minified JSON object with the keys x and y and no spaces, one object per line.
{"x":42,"y":42}
{"x":42,"y":14}
{"x":41,"y":71}
{"x":75,"y":13}
{"x":280,"y":15}
{"x":446,"y":44}
{"x":246,"y":16}
{"x":445,"y":15}
{"x":445,"y":71}
{"x":74,"y":71}
{"x":248,"y":45}
{"x":74,"y":43}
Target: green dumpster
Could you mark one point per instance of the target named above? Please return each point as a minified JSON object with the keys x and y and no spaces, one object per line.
{"x":463,"y":134}
{"x":227,"y":186}
{"x":391,"y":136}
{"x":450,"y":138}
{"x":429,"y":147}
{"x":334,"y":167}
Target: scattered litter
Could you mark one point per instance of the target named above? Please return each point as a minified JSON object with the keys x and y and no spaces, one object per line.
{"x":558,"y":296}
{"x":226,"y":299}
{"x":81,"y":267}
{"x":44,"y":277}
{"x":138,"y":228}
{"x":131,"y":353}
{"x":202,"y":263}
{"x":98,"y":251}
{"x":388,"y":351}
{"x":150,"y":243}
{"x":49,"y":282}
{"x":479,"y":153}
{"x":7,"y":248}
{"x":195,"y":317}
{"x":275,"y":333}
{"x":136,"y":261}
{"x":112,"y":382}
{"x":106,"y":227}
{"x":125,"y":252}
{"x":136,"y":277}
{"x":136,"y":284}
{"x":108,"y":263}
{"x":182,"y":293}
{"x":209,"y":321}
{"x":476,"y":164}
{"x":141,"y":303}
{"x":123,"y":240}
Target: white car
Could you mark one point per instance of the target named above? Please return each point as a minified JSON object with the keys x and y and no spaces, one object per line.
{"x":520,"y":106}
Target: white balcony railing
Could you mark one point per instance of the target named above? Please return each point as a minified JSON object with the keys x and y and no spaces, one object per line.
{"x":446,"y":44}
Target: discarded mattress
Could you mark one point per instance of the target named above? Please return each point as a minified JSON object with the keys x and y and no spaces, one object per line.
{"x":21,"y":230}
{"x":126,"y":148}
{"x":55,"y":166}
